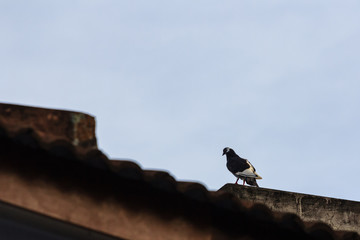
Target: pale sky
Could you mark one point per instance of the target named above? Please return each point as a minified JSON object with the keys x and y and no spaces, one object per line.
{"x":171,"y":83}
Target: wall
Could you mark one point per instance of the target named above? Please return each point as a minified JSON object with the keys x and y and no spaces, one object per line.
{"x":339,"y":214}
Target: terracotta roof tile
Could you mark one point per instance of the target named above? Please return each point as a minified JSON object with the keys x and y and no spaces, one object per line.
{"x":51,"y":129}
{"x":193,"y":190}
{"x":320,"y":230}
{"x":125,"y":169}
{"x":262,"y":212}
{"x":345,"y":235}
{"x":228,"y":201}
{"x":290,"y":221}
{"x":161,"y":180}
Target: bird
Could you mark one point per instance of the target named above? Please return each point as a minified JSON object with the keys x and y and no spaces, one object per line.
{"x":241,"y":168}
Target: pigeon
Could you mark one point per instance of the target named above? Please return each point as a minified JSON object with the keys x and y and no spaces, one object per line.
{"x":241,"y":168}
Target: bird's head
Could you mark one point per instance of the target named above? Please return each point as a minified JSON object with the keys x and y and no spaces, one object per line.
{"x":226,"y":150}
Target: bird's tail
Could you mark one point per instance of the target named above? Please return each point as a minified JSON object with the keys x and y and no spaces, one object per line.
{"x":257,"y":176}
{"x":251,"y":181}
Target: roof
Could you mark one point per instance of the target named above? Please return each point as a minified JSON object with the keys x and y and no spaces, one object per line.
{"x":70,"y":136}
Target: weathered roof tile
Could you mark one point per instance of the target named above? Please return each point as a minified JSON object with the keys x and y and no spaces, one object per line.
{"x":193,"y":190}
{"x":126,"y":169}
{"x":46,"y":127}
{"x":161,"y":180}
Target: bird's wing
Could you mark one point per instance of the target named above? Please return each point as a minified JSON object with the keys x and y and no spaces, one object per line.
{"x":253,"y":170}
{"x":250,"y":165}
{"x":247,"y":170}
{"x":237,"y":165}
{"x":246,"y":173}
{"x":241,"y":167}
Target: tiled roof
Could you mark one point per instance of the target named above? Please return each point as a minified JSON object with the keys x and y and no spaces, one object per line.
{"x":71,"y":136}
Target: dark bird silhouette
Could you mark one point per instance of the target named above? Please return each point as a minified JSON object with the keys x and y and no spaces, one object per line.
{"x":241,"y":168}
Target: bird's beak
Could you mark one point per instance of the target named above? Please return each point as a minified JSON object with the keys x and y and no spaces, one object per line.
{"x":223,"y":154}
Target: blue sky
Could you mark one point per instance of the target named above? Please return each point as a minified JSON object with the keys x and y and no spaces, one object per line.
{"x":172,"y":83}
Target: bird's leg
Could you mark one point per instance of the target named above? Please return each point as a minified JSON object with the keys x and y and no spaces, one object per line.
{"x":237,"y":181}
{"x":244,"y":182}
